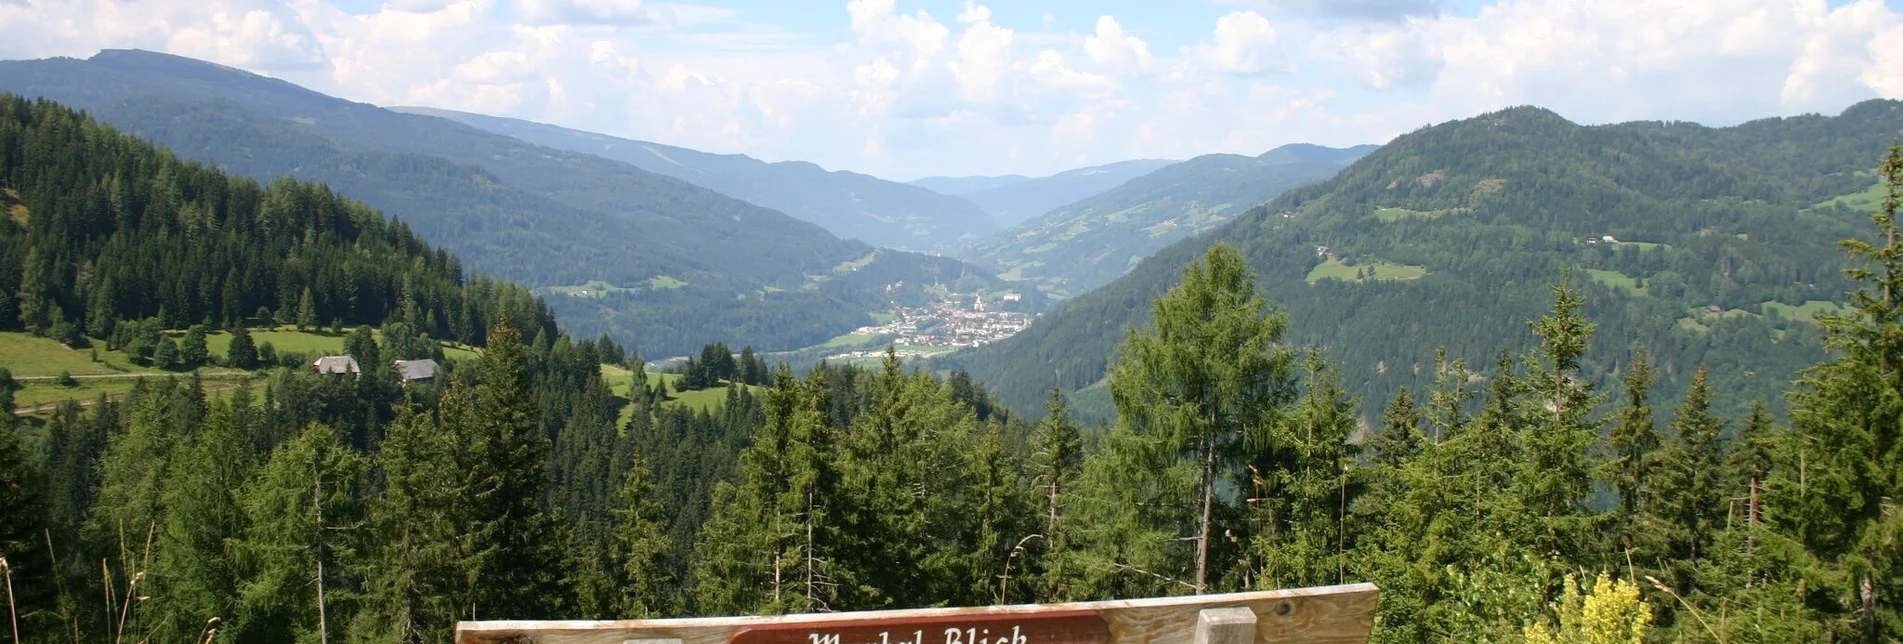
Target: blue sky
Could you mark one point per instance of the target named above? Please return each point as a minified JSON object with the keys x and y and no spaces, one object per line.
{"x":908,"y":88}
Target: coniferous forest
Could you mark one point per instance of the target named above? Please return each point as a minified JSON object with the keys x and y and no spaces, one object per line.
{"x":1511,"y":501}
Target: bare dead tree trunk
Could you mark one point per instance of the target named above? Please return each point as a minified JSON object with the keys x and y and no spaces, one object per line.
{"x":317,"y":505}
{"x":1209,"y":500}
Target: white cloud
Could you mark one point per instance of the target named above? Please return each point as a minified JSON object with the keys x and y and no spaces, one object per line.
{"x":984,"y":54}
{"x":1245,"y":43}
{"x":904,"y":93}
{"x":1110,"y":46}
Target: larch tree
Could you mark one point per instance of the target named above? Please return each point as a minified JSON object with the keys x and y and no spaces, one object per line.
{"x":301,"y":551}
{"x":1211,"y":373}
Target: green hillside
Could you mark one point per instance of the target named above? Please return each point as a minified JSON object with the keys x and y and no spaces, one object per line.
{"x":1080,"y":246}
{"x":538,"y":216}
{"x":1744,"y":218}
{"x":848,"y":204}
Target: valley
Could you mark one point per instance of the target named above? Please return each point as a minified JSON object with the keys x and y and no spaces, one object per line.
{"x":309,"y":342}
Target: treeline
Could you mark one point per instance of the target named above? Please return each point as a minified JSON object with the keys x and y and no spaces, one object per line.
{"x":105,"y":230}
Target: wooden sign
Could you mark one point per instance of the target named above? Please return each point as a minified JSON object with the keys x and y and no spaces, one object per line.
{"x":1324,"y":615}
{"x":1061,"y":627}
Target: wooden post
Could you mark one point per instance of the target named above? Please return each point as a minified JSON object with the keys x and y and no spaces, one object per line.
{"x":1233,"y":625}
{"x":1323,"y":615}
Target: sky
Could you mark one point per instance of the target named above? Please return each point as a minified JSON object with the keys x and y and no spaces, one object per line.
{"x":909,"y":88}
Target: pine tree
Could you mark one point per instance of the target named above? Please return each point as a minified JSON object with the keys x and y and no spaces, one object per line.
{"x":195,"y":580}
{"x":1209,"y":374}
{"x":1634,"y":444}
{"x":301,"y":545}
{"x":1690,"y":516}
{"x":1555,"y":474}
{"x":242,"y":353}
{"x":516,"y":548}
{"x":1400,"y":438}
{"x":1054,"y":464}
{"x":1300,"y":535}
{"x":417,"y":578}
{"x":306,"y":311}
{"x":647,"y":588}
{"x":23,"y":515}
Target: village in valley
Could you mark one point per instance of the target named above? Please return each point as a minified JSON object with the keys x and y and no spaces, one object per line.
{"x":948,"y":325}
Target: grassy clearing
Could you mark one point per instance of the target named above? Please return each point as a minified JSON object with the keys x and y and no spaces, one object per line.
{"x":290,"y":340}
{"x":1867,"y":200}
{"x":1616,"y":280}
{"x":884,"y":317}
{"x":1377,"y":269}
{"x":29,"y":356}
{"x":665,"y":281}
{"x":852,"y":340}
{"x":1807,"y":312}
{"x":620,"y":380}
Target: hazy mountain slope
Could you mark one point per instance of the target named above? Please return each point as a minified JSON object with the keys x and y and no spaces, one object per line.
{"x":1080,"y":246}
{"x":964,"y":185}
{"x":848,"y":204}
{"x":1450,"y":237}
{"x":689,"y":264}
{"x":1019,"y":201}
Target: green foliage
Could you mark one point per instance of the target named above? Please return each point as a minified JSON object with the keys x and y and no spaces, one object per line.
{"x":1611,"y":613}
{"x":1207,"y":384}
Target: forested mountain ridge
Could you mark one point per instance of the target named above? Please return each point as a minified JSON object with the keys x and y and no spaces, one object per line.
{"x":1019,"y":201}
{"x":1079,"y":246}
{"x":106,"y":229}
{"x":848,"y":204}
{"x":684,"y":264}
{"x":1446,"y":236}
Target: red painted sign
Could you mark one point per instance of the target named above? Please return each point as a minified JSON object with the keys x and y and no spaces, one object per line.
{"x":1067,"y":627}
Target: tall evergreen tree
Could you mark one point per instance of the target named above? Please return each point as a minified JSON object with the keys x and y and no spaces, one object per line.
{"x":300,"y":550}
{"x":1053,"y":466}
{"x":1556,"y":469}
{"x":1209,"y":375}
{"x":194,"y":579}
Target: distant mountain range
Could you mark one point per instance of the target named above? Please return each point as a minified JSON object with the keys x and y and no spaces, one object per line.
{"x":850,"y":205}
{"x":966,"y":185}
{"x":1083,"y":245}
{"x":660,"y":263}
{"x":1013,"y":202}
{"x":1707,"y":246}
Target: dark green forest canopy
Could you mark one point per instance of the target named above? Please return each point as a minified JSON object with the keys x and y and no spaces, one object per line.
{"x":1740,"y":218}
{"x":106,"y":227}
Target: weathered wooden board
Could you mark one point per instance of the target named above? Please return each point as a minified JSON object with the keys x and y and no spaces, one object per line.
{"x":1323,"y":615}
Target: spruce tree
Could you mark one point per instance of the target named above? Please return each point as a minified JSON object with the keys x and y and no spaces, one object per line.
{"x":1556,"y":469}
{"x":1300,"y":535}
{"x":242,"y":353}
{"x":306,"y":311}
{"x":1210,"y":376}
{"x":516,"y":547}
{"x":640,"y":550}
{"x":416,"y":586}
